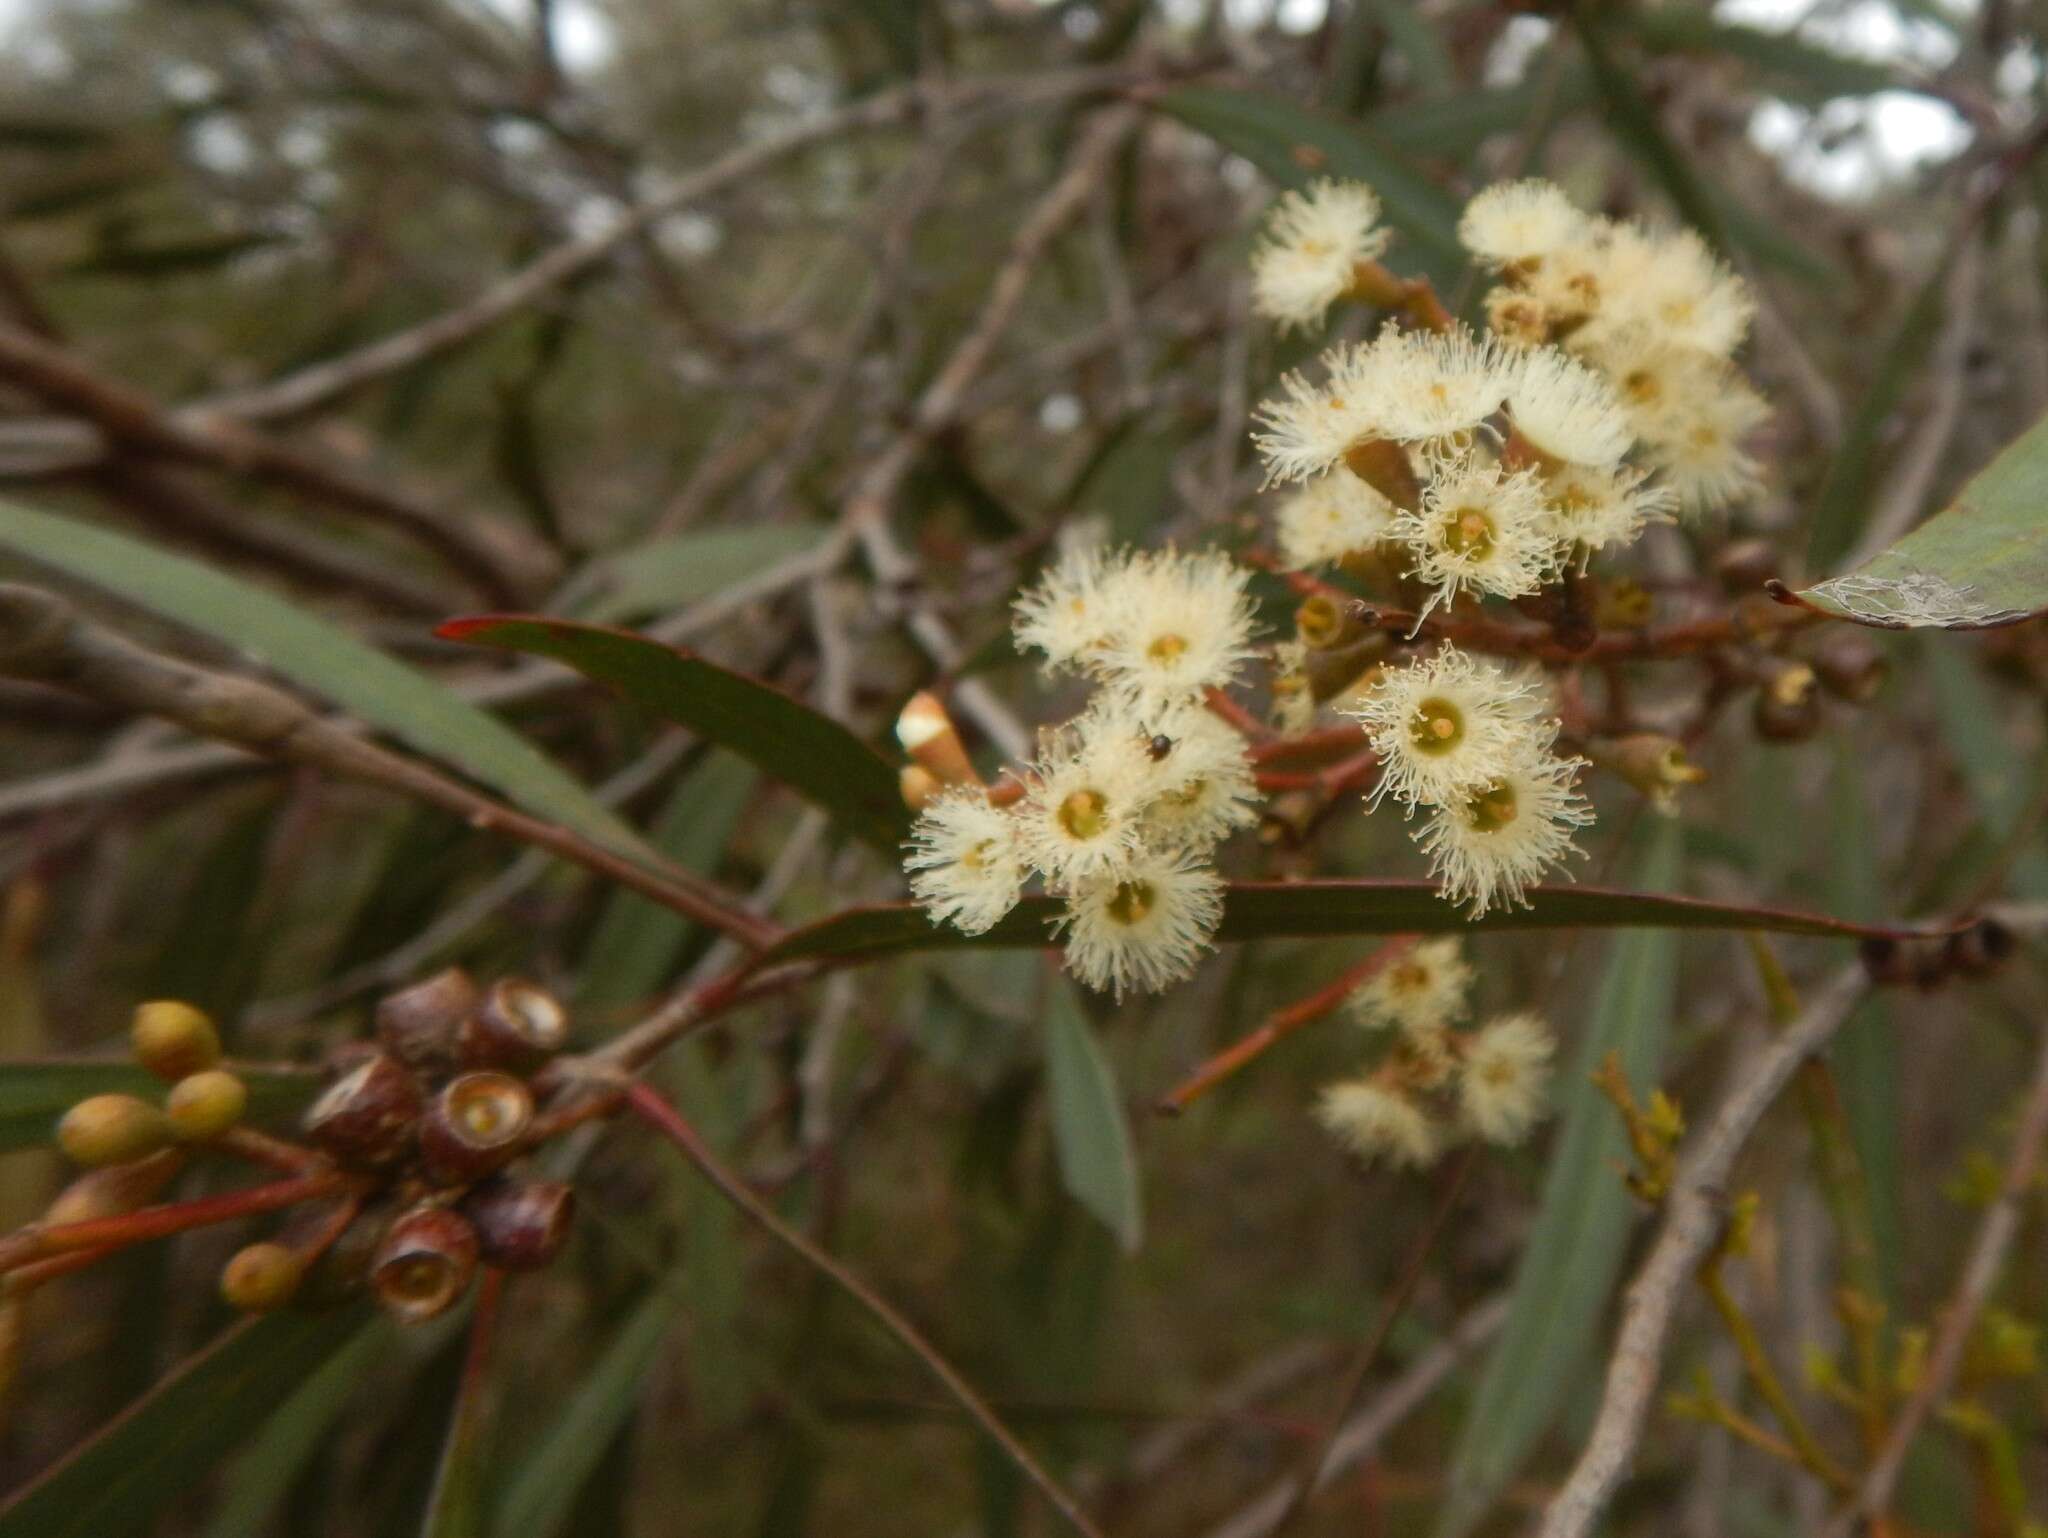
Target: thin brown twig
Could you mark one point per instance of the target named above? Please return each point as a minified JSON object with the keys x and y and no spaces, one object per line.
{"x":43,"y":636}
{"x":663,"y":1118}
{"x":1391,"y":1309}
{"x":1693,"y":1219}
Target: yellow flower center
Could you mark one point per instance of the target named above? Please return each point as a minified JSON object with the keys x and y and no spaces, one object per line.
{"x":977,"y":857}
{"x":1468,"y":531}
{"x":1084,"y":814}
{"x":1132,"y":902}
{"x":1167,"y":647}
{"x":1643,"y":386}
{"x":1492,"y":809}
{"x":1438,"y":727}
{"x":1408,"y":977}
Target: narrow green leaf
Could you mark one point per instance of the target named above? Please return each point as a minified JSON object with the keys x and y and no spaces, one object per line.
{"x":813,"y":754}
{"x":1866,"y":1051}
{"x":1844,"y":496}
{"x":556,"y":1467}
{"x":1293,"y":145}
{"x":1798,"y":67}
{"x":1257,"y":910}
{"x":1569,"y":1266}
{"x":455,"y":1506}
{"x":1455,"y":126}
{"x":2001,"y":778}
{"x":169,"y":258}
{"x":1089,"y":1131}
{"x":261,"y":1476}
{"x":316,"y":654}
{"x":671,"y":573}
{"x":1416,"y":37}
{"x":123,"y":1478}
{"x":1981,"y":561}
{"x":34,"y":1094}
{"x":636,"y":941}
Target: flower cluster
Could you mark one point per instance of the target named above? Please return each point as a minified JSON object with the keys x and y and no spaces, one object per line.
{"x":1122,"y":809}
{"x":1437,"y":1083}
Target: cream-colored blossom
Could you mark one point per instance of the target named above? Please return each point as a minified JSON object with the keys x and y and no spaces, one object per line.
{"x":1143,"y":927}
{"x":965,"y":863}
{"x":1425,"y":986}
{"x":1446,"y":724}
{"x":1488,"y":846}
{"x":1502,"y":1080}
{"x":1330,"y":517}
{"x":1375,"y":1120}
{"x":1314,"y":242}
{"x":1513,"y":223}
{"x":1480,"y":529}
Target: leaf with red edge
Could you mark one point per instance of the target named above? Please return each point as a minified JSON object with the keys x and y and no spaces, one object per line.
{"x":1257,"y":910}
{"x":1979,"y":563}
{"x":811,"y":753}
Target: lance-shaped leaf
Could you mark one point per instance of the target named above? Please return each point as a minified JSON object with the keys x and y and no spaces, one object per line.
{"x":1980,"y":562}
{"x":811,"y":753}
{"x":127,"y":1475}
{"x":33,"y":1095}
{"x":1294,"y":145}
{"x":1089,"y":1132}
{"x":318,"y":655}
{"x":1574,"y":1253}
{"x":1258,"y":910}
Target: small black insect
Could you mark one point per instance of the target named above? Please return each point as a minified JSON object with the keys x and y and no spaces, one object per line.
{"x":1159,"y":747}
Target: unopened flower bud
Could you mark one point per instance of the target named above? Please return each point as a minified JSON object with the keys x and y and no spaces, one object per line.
{"x":1787,"y":707}
{"x":108,"y":1193}
{"x":1744,"y":566}
{"x":1921,"y":961}
{"x":1655,"y":764}
{"x":111,"y":1129}
{"x":521,"y":1225}
{"x":261,"y":1277}
{"x":367,"y":1117}
{"x":204,"y":1105}
{"x":518,"y":1025}
{"x":1623,"y":604}
{"x":418,"y":1025}
{"x":919,"y":785}
{"x":173,"y":1040}
{"x":930,"y":738}
{"x":1335,"y":673}
{"x":1850,"y":668}
{"x":474,"y":1125}
{"x":424,"y":1264}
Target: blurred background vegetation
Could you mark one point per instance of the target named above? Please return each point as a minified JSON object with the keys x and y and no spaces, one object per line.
{"x":201,"y":197}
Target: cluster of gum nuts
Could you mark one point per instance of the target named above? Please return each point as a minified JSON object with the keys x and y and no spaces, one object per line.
{"x":417,"y":1129}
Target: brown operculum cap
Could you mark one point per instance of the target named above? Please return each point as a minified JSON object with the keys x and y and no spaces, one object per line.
{"x":418,"y":1025}
{"x":1981,"y":948}
{"x":367,"y":1117}
{"x":475,"y":1124}
{"x":261,"y":1277}
{"x":425,"y":1263}
{"x":521,"y":1225}
{"x":1850,"y":668}
{"x":518,"y":1025}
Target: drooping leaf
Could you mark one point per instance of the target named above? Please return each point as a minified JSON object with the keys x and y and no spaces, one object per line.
{"x":121,"y":1480}
{"x":539,"y":1497}
{"x":1294,"y":144}
{"x":1257,"y":910}
{"x":318,"y":655}
{"x":1090,"y":1134}
{"x":1569,"y":1266}
{"x":811,"y":753}
{"x":34,"y":1095}
{"x":671,"y":573}
{"x":1980,"y":562}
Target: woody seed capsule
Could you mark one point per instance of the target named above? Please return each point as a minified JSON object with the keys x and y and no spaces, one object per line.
{"x":367,"y":1117}
{"x":424,"y":1264}
{"x":519,"y":1025}
{"x":111,"y":1129}
{"x":521,"y":1225}
{"x":474,"y":1125}
{"x":418,"y":1025}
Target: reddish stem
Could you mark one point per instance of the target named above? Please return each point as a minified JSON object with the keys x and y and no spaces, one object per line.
{"x":1280,"y":1024}
{"x":1227,"y":709}
{"x":1323,"y":742}
{"x":31,"y":1244}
